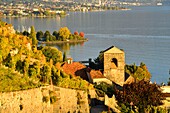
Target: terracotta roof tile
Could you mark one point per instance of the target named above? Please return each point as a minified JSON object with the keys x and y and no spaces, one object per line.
{"x":78,"y":69}
{"x":75,"y":69}
{"x":96,"y":74}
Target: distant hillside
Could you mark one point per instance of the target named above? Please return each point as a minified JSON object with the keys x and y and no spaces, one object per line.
{"x":19,"y":0}
{"x":166,"y":2}
{"x":146,"y":1}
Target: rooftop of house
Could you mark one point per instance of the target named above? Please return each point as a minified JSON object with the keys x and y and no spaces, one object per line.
{"x":75,"y":69}
{"x":95,"y":73}
{"x":78,"y":69}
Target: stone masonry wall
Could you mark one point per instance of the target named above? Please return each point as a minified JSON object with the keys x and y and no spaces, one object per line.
{"x":31,"y":101}
{"x":114,"y":74}
{"x":26,"y":101}
{"x":70,"y":101}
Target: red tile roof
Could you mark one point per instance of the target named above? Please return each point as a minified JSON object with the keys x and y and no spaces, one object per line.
{"x":96,"y":74}
{"x":78,"y":69}
{"x":75,"y":69}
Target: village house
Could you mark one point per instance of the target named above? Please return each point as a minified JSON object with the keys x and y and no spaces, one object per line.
{"x":113,"y":73}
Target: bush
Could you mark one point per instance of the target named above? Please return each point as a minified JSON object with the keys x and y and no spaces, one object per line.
{"x":53,"y":99}
{"x":45,"y":99}
{"x":68,"y":81}
{"x":104,"y":88}
{"x":141,"y":94}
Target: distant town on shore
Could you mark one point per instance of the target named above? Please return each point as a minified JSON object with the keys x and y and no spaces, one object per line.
{"x":52,"y":8}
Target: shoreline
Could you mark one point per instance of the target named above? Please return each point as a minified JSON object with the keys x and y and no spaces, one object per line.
{"x":60,"y":42}
{"x":43,"y":16}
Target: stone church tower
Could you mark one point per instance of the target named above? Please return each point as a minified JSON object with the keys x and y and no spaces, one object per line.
{"x":114,"y":62}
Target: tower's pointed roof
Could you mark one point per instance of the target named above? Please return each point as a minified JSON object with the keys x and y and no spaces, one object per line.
{"x":113,"y":49}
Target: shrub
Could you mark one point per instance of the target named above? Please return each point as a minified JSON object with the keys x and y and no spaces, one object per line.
{"x":141,"y":94}
{"x":53,"y":99}
{"x":45,"y":99}
{"x":104,"y":88}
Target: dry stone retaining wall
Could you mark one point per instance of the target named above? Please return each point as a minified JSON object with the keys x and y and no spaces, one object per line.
{"x":31,"y":101}
{"x":26,"y":101}
{"x":71,"y":101}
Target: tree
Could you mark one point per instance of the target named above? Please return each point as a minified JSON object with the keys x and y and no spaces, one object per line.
{"x":138,"y":72}
{"x":64,"y":57}
{"x":46,"y":73}
{"x":169,"y":82}
{"x":140,"y":94}
{"x":26,"y":33}
{"x":46,"y":13}
{"x":99,"y":61}
{"x":55,"y":33}
{"x":33,"y":36}
{"x":1,"y":59}
{"x":52,"y":53}
{"x":104,"y":88}
{"x":34,"y":70}
{"x":47,"y":36}
{"x":76,"y":33}
{"x":26,"y":63}
{"x":64,"y":33}
{"x":40,"y":35}
{"x":81,"y":34}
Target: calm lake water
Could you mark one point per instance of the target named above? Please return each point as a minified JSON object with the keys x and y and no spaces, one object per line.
{"x":143,"y":33}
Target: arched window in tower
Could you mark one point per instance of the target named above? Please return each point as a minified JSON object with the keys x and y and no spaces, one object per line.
{"x":114,"y":63}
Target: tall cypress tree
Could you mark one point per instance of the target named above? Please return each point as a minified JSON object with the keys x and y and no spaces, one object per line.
{"x":33,"y":36}
{"x":64,"y":57}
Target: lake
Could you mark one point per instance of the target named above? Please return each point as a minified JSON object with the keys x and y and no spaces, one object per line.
{"x":143,"y":33}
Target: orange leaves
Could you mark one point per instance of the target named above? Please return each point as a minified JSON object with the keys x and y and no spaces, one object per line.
{"x":76,"y":33}
{"x":81,"y":34}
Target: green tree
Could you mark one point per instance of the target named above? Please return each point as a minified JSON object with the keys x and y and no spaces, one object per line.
{"x":55,"y":33}
{"x":52,"y":53}
{"x":64,"y":57}
{"x":33,"y":36}
{"x":138,"y":72}
{"x":99,"y":61}
{"x":1,"y":59}
{"x":46,"y":13}
{"x":26,"y":63}
{"x":47,"y":36}
{"x":20,"y":66}
{"x":169,"y":82}
{"x":8,"y":61}
{"x":34,"y":70}
{"x":104,"y":88}
{"x":46,"y":73}
{"x":26,"y":33}
{"x":40,"y":35}
{"x":64,"y":33}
